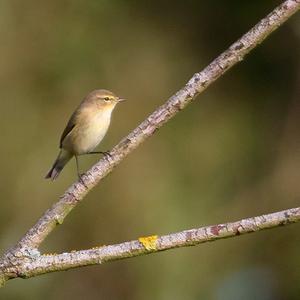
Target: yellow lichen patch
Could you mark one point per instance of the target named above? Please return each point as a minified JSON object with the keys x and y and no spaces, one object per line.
{"x":49,"y":254}
{"x":149,"y":242}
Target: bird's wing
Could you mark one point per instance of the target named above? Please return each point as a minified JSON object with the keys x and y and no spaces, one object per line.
{"x":71,"y":124}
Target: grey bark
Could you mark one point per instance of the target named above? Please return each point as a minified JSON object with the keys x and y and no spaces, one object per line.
{"x":24,"y":259}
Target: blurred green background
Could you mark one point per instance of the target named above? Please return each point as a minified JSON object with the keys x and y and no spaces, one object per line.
{"x":231,"y":154}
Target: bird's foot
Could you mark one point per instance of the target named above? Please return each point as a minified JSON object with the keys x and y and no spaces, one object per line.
{"x":104,"y":153}
{"x":80,"y":179}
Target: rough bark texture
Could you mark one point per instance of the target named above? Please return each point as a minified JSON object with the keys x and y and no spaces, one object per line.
{"x":24,"y":260}
{"x":35,"y":264}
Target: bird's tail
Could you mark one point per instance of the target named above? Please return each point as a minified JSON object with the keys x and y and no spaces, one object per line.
{"x":61,"y":160}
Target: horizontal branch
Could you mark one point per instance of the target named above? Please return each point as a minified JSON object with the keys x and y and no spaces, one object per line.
{"x":41,"y":264}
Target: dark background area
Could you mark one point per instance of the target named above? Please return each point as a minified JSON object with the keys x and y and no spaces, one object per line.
{"x":231,"y":154}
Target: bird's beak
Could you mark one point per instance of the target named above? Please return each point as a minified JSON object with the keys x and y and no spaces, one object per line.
{"x":121,"y":99}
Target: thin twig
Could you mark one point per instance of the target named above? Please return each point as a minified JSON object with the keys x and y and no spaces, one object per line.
{"x":41,"y":264}
{"x":28,"y":244}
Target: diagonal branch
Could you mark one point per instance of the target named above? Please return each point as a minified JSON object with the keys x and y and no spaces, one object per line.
{"x":197,"y":84}
{"x":41,"y":264}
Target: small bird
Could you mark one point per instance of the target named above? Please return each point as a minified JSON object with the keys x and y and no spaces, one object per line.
{"x":85,"y":129}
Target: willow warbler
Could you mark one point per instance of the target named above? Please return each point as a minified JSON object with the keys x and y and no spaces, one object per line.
{"x":85,"y":129}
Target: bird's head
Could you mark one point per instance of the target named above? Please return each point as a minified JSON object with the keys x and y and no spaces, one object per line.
{"x":104,"y":99}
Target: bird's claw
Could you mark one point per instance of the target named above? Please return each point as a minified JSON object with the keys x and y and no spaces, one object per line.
{"x":106,"y":153}
{"x":80,"y":179}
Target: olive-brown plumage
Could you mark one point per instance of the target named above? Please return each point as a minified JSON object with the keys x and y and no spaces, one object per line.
{"x":85,"y":129}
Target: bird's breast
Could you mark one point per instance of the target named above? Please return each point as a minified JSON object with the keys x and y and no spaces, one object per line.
{"x":89,"y":131}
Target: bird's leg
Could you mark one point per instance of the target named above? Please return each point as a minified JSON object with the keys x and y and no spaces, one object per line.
{"x":78,"y":173}
{"x":100,"y":152}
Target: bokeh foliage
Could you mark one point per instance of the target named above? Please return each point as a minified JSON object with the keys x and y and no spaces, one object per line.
{"x":233,"y":153}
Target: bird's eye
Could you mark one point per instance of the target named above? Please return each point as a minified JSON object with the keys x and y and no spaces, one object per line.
{"x":106,"y":99}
